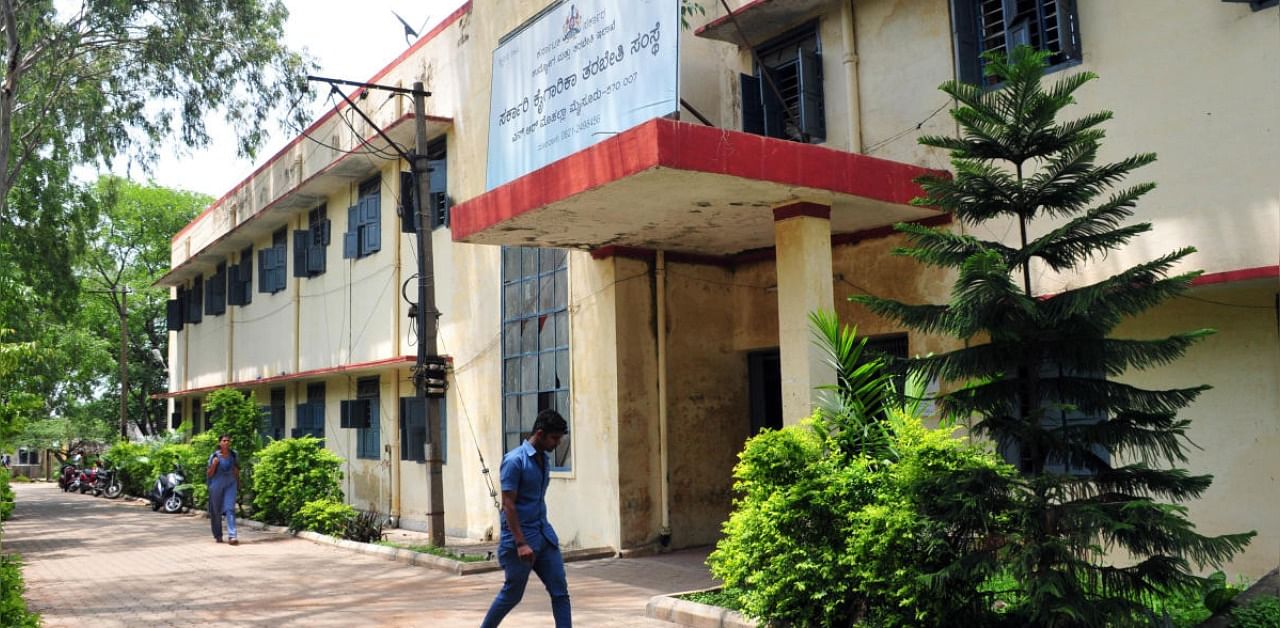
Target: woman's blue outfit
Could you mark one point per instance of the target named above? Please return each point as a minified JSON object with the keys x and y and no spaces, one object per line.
{"x":222,"y":494}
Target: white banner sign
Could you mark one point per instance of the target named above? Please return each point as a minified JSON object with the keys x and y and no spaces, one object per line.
{"x":578,"y":74}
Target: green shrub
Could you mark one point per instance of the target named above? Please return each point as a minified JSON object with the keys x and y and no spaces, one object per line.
{"x":292,"y":472}
{"x":1260,"y":612}
{"x":7,"y":496}
{"x":133,"y":463}
{"x":326,"y":516}
{"x":13,"y":609}
{"x":238,"y":416}
{"x":823,"y":537}
{"x":21,"y":479}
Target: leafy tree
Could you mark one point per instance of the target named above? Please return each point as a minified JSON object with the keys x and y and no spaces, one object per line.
{"x":114,"y":78}
{"x":129,"y":250}
{"x":1036,"y":364}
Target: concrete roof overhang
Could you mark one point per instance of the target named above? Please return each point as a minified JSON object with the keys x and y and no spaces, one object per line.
{"x":354,"y":165}
{"x":355,"y":369}
{"x":680,"y":187}
{"x":761,"y":20}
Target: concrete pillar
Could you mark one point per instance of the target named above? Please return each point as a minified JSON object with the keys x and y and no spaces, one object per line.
{"x":802,"y":235}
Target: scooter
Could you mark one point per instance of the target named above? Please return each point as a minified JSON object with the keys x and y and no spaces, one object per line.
{"x":171,"y":492}
{"x":67,"y":476}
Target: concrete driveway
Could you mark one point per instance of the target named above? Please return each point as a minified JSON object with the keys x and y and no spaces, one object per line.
{"x":91,"y":561}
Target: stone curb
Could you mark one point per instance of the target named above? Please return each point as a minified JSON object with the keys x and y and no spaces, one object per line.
{"x":686,"y":613}
{"x":421,"y":559}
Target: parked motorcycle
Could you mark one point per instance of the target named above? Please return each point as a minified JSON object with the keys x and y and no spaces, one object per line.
{"x":85,"y":480}
{"x":108,"y":484}
{"x":67,"y":476}
{"x":171,"y":492}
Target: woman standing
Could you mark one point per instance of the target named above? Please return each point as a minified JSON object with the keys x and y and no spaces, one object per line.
{"x":224,"y":480}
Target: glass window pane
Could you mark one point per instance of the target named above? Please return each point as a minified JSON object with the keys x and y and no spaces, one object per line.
{"x":511,"y":417}
{"x":562,"y":368}
{"x":562,"y":405}
{"x":511,"y":301}
{"x":530,"y":266}
{"x":511,"y":378}
{"x":510,"y":263}
{"x":528,"y":413}
{"x":529,"y":335}
{"x":546,"y":293}
{"x":510,"y":339}
{"x":562,"y":288}
{"x":547,"y":332}
{"x":548,"y":260}
{"x":529,"y":373}
{"x":561,"y":456}
{"x":546,"y":371}
{"x":562,"y":330}
{"x":560,"y":258}
{"x":528,"y":296}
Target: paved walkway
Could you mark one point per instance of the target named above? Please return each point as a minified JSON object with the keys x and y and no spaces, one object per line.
{"x":91,"y":561}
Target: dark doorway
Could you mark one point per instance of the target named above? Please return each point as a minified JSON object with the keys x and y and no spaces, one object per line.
{"x":764,"y":377}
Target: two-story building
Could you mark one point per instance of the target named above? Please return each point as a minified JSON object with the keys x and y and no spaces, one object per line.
{"x":630,"y":221}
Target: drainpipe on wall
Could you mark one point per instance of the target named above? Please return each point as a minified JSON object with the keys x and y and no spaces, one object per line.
{"x":850,"y":59}
{"x":395,"y":348}
{"x":664,"y":484}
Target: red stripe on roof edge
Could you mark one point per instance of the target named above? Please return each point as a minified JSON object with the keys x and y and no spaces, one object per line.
{"x":422,"y":41}
{"x":1242,"y":274}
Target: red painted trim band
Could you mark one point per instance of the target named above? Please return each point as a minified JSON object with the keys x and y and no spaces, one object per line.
{"x":1243,"y":274}
{"x":682,"y":146}
{"x":795,"y":210}
{"x":359,"y":366}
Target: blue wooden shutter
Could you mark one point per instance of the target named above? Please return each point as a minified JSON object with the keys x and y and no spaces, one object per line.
{"x":173,"y":314}
{"x":264,"y":270}
{"x":964,"y":23}
{"x":438,"y":199}
{"x":775,"y":112}
{"x":812,"y":121}
{"x":372,"y":240}
{"x":351,"y":239}
{"x":752,"y":107}
{"x":301,"y":244}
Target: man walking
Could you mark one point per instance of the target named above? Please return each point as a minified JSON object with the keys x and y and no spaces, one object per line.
{"x":528,"y":542}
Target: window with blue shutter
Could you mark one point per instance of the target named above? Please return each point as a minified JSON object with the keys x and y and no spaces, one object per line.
{"x":364,"y":222}
{"x":369,"y":439}
{"x":1001,"y":25}
{"x":173,"y":313}
{"x":215,"y":292}
{"x":272,"y":265}
{"x":310,"y":415}
{"x":784,"y":98}
{"x":196,"y":296}
{"x":1064,"y":420}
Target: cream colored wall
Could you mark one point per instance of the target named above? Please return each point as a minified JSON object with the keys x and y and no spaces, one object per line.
{"x":205,"y":363}
{"x":1235,"y":426}
{"x":263,"y":336}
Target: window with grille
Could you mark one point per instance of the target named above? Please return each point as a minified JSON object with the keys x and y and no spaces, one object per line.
{"x":535,"y":343}
{"x":197,"y":421}
{"x":28,"y":456}
{"x":273,"y":416}
{"x":1002,"y":25}
{"x":783,"y":98}
{"x":369,"y":439}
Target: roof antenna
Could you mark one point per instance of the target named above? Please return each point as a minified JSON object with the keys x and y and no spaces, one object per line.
{"x":409,"y":33}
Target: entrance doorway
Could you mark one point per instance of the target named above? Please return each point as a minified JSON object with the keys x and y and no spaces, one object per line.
{"x":764,"y":377}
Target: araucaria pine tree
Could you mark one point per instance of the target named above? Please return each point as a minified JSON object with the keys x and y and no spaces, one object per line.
{"x":1040,"y":374}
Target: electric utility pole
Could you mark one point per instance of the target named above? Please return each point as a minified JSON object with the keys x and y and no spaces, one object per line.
{"x":430,"y":373}
{"x":429,"y":377}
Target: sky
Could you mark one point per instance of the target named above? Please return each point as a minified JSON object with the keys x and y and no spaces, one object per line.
{"x":348,"y":40}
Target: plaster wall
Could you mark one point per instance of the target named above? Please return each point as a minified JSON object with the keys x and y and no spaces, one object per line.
{"x":263,"y":340}
{"x":206,"y":352}
{"x":1235,"y":426}
{"x":634,"y":336}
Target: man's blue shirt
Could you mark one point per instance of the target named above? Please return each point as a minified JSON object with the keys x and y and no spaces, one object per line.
{"x":523,"y":474}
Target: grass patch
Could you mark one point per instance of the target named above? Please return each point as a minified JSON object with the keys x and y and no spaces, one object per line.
{"x":21,"y":479}
{"x":442,"y":552}
{"x":724,"y":598}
